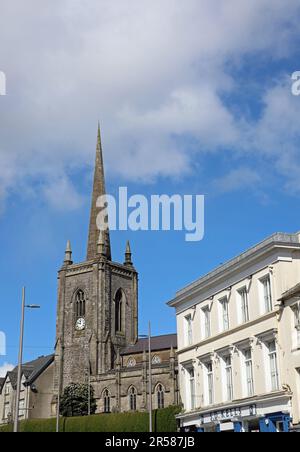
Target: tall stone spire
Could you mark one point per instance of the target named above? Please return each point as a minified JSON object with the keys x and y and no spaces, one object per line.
{"x":98,"y":190}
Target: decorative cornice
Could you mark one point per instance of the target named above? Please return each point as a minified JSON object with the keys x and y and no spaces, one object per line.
{"x":79,"y":269}
{"x":88,"y":266}
{"x":122,"y":272}
{"x":279,"y":240}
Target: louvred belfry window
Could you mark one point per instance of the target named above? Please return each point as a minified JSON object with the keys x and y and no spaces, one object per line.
{"x":80,"y":304}
{"x":119,"y":308}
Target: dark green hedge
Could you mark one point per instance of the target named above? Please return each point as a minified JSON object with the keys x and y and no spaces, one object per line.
{"x":163,"y":421}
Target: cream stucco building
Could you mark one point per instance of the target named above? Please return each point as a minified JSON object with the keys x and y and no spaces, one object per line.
{"x":239,"y":342}
{"x":36,"y":391}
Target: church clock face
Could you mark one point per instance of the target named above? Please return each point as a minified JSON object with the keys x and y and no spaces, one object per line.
{"x":80,"y":324}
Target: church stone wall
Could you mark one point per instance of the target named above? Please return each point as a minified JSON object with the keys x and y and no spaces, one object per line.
{"x":120,"y":381}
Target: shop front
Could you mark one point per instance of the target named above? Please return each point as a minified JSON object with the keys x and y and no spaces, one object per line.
{"x":263,"y":416}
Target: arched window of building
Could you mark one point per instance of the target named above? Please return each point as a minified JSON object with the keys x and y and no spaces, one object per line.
{"x":119,"y":311}
{"x":132,"y":399}
{"x":131,"y":362}
{"x":160,"y":396}
{"x":106,"y":400}
{"x":156,"y":359}
{"x":80,"y":304}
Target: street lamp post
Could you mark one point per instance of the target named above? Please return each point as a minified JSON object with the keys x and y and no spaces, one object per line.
{"x":89,"y":393}
{"x":150,"y":381}
{"x":150,"y":376}
{"x":58,"y":396}
{"x":19,"y":377}
{"x":88,"y":379}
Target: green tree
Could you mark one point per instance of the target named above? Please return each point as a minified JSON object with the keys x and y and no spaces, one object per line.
{"x":75,"y":401}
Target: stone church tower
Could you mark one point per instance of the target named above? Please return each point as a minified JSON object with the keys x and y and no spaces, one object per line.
{"x":97,"y":327}
{"x":97,"y":312}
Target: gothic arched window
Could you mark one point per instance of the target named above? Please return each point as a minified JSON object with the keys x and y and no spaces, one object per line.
{"x":131,"y":362}
{"x":160,"y":395}
{"x":156,"y":360}
{"x":132,"y":398}
{"x":80,"y":304}
{"x":106,"y":400}
{"x":119,"y":311}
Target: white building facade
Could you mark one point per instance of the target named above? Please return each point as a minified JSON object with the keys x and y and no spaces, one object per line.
{"x":239,"y":342}
{"x":35,"y":394}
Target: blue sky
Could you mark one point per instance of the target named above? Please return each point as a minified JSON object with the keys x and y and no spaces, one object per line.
{"x":193,"y":99}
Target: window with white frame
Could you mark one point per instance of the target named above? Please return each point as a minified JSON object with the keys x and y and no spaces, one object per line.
{"x":243,"y":294}
{"x":249,"y":372}
{"x":296,"y":313}
{"x":7,"y":388}
{"x":206,"y":322}
{"x":210,"y":383}
{"x":6,"y":411}
{"x":229,"y":378}
{"x":224,"y":303}
{"x":188,"y":330}
{"x":22,"y":408}
{"x":191,"y":388}
{"x":273,"y":365}
{"x":267,"y":293}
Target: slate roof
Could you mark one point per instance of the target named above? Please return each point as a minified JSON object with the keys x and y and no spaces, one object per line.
{"x":31,"y":370}
{"x":164,"y":342}
{"x":41,"y":364}
{"x":12,"y":375}
{"x":2,"y":380}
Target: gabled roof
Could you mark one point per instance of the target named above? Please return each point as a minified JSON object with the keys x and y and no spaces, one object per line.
{"x":40,"y":366}
{"x":31,"y":370}
{"x":2,"y":380}
{"x":164,"y":342}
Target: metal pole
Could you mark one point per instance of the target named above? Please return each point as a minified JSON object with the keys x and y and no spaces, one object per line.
{"x":150,"y":382}
{"x":58,"y":397}
{"x":89,"y":378}
{"x":16,"y":418}
{"x":89,"y":393}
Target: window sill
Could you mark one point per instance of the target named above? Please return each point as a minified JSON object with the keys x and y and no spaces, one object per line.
{"x":296,"y":349}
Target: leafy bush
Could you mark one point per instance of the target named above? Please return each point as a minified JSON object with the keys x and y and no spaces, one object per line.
{"x":75,"y":400}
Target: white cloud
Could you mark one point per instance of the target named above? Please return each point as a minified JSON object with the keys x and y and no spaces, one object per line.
{"x":276,"y":136}
{"x":151,"y":71}
{"x":60,"y":194}
{"x":4,"y":368}
{"x":239,"y":178}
